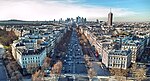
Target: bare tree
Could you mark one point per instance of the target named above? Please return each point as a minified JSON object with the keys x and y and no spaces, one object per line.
{"x":138,"y":72}
{"x":120,"y":78}
{"x":46,"y":63}
{"x":89,"y":64}
{"x":91,"y":73}
{"x":31,"y":67}
{"x":56,"y":69}
{"x":119,"y":72}
{"x":86,"y":57}
{"x":38,"y":76}
{"x":16,"y":76}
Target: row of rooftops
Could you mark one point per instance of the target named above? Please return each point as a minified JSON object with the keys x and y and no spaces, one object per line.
{"x":35,"y":42}
{"x":31,"y":51}
{"x":120,"y":52}
{"x":132,"y":41}
{"x":105,"y":36}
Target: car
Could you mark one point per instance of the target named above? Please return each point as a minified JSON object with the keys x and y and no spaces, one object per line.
{"x":47,"y":71}
{"x":91,"y":59}
{"x":82,"y":62}
{"x":69,"y":70}
{"x":77,"y":62}
{"x":77,"y":58}
{"x":65,"y":72}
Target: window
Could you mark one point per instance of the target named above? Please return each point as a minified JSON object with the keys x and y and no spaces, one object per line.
{"x":124,"y":58}
{"x":123,"y":66}
{"x":109,"y":57}
{"x":110,"y":64}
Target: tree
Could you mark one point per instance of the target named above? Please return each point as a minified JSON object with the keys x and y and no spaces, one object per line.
{"x":134,"y":67}
{"x":138,"y":72}
{"x":7,"y":37}
{"x":89,"y":64}
{"x":16,"y":76}
{"x":119,"y":72}
{"x":86,"y":57}
{"x":91,"y":73}
{"x":56,"y":69}
{"x":38,"y":76}
{"x":120,"y":78}
{"x":46,"y":63}
{"x":31,"y":67}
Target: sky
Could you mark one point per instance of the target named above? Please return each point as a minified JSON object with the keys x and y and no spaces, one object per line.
{"x":123,"y":10}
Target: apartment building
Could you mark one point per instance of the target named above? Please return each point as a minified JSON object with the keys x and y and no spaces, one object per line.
{"x":119,"y":59}
{"x":33,"y":47}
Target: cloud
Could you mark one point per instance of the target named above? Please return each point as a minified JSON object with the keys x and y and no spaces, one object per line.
{"x":54,"y":9}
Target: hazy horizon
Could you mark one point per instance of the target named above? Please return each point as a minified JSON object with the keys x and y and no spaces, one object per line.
{"x":41,"y":10}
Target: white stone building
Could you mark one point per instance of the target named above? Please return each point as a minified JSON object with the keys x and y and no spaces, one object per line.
{"x":137,"y":47}
{"x":33,"y":47}
{"x":119,"y":59}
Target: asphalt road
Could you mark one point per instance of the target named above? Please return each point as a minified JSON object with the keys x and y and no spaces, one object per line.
{"x":100,"y":70}
{"x":71,"y":78}
{"x":3,"y":75}
{"x":74,"y":62}
{"x":74,"y":67}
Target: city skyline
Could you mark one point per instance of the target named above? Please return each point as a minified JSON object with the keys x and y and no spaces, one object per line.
{"x":123,"y":10}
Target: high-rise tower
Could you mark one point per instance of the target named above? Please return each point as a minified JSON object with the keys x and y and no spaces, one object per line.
{"x":110,"y":18}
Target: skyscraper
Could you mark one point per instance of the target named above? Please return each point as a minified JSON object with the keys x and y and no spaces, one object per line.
{"x":110,"y":18}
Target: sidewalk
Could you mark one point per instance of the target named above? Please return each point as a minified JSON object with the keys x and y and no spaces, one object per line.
{"x":1,"y":46}
{"x":3,"y":72}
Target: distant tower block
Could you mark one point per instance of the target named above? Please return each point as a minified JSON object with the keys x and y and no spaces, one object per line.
{"x":110,"y":18}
